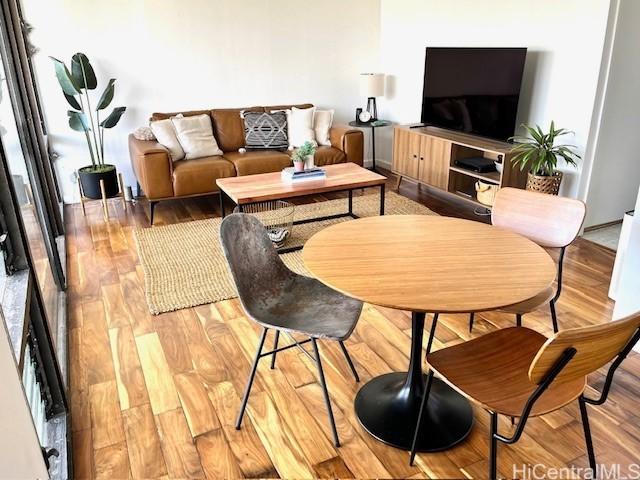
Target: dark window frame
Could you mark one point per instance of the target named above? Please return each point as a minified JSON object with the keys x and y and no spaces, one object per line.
{"x":47,"y":208}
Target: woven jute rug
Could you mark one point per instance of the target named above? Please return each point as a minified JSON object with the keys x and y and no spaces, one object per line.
{"x":184,"y":264}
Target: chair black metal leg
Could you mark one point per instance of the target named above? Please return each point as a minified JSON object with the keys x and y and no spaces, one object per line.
{"x":432,"y":333}
{"x":493,"y":447}
{"x":587,"y":434}
{"x":275,"y":347}
{"x":327,"y":401}
{"x":423,"y":404}
{"x":471,"y":318}
{"x":554,"y":317}
{"x":351,"y":365}
{"x":518,"y":319}
{"x":250,"y":381}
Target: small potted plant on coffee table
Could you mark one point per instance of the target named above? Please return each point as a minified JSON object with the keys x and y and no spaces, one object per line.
{"x":75,"y":86}
{"x":540,"y":154}
{"x":303,"y":157}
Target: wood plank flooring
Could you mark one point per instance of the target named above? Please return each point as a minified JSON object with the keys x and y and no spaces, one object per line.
{"x":156,"y":397}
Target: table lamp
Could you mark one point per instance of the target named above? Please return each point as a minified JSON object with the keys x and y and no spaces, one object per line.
{"x":372,"y":86}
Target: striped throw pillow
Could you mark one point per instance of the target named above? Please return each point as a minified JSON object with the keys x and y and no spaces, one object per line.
{"x":265,"y":130}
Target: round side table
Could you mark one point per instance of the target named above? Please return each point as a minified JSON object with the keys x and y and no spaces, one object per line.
{"x":358,"y":124}
{"x":424,"y":264}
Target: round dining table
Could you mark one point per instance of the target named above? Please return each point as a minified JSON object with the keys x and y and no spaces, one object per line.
{"x":424,"y":264}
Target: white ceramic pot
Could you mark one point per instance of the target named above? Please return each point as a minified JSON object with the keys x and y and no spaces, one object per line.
{"x":308,"y":162}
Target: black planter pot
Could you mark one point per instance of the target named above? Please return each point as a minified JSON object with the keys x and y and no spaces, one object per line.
{"x":90,"y":182}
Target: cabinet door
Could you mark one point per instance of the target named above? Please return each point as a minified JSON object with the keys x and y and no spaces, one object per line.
{"x":406,"y":152}
{"x":435,"y":158}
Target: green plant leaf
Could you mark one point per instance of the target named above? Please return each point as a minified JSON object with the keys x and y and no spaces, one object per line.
{"x":107,"y":95}
{"x":71,"y":100}
{"x":82,"y":72}
{"x":64,"y":78}
{"x":532,"y":131}
{"x":78,"y":121}
{"x":538,"y":151}
{"x":113,"y":118}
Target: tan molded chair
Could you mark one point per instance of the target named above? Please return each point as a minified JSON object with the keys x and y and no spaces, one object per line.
{"x":520,"y":373}
{"x":551,"y":222}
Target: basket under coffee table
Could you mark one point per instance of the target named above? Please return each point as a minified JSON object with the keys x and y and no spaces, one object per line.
{"x":343,"y":177}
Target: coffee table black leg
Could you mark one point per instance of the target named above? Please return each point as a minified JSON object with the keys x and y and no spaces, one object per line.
{"x":221,"y":203}
{"x":382,"y":199}
{"x":388,"y":406}
{"x":351,"y":202}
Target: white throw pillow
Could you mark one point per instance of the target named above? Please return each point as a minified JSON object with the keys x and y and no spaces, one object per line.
{"x":166,"y":135}
{"x":195,"y":135}
{"x":300,"y":126}
{"x":322,"y":121}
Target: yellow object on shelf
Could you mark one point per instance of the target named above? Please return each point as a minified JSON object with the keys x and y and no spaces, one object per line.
{"x":486,"y":192}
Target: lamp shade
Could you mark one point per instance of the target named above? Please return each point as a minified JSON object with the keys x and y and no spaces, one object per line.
{"x":372,"y":84}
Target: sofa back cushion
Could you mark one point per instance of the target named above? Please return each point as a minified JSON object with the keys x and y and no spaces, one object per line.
{"x":228,"y":127}
{"x":162,"y":116}
{"x":270,"y":108}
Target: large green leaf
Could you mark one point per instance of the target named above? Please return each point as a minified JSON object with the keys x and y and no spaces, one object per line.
{"x":78,"y":121}
{"x":539,"y":153}
{"x":107,"y":95}
{"x":73,"y":101}
{"x":113,"y":118}
{"x":82,"y":72}
{"x":64,"y":77}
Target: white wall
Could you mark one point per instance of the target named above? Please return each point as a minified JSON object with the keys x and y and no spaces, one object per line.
{"x":565,"y":41}
{"x":172,"y":55}
{"x":614,"y":176}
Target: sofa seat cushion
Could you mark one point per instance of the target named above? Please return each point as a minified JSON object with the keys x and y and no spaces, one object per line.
{"x":193,"y":177}
{"x":328,"y":156}
{"x":258,"y":161}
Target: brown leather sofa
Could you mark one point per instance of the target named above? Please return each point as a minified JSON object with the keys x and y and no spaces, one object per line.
{"x":161,"y":179}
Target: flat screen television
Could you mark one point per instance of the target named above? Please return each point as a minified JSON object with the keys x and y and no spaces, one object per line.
{"x":473,"y":90}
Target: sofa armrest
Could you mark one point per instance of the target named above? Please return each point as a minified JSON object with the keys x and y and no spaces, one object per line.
{"x":350,"y":141}
{"x":152,"y":165}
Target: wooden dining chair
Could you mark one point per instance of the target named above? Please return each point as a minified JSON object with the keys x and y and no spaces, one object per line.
{"x":281,"y":300}
{"x":518,"y":372}
{"x":552,"y":222}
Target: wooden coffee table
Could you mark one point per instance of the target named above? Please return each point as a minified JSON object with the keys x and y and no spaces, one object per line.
{"x":250,"y":189}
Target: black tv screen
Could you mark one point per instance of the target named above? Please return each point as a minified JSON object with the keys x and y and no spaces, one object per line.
{"x":473,"y":90}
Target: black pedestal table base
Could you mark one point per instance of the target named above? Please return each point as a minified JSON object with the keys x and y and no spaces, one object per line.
{"x":388,"y":406}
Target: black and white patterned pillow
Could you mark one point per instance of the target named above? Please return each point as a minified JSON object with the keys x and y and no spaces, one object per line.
{"x":265,"y":130}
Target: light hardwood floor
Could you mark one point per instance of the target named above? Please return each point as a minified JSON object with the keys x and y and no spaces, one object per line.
{"x":156,"y":397}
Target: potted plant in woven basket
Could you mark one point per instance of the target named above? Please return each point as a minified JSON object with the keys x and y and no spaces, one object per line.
{"x":540,"y":154}
{"x":75,"y":84}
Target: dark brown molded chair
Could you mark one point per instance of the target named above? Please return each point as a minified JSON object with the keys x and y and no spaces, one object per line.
{"x":279,"y":299}
{"x":520,"y":373}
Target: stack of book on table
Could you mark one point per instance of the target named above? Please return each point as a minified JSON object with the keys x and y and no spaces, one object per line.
{"x":289,"y":175}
